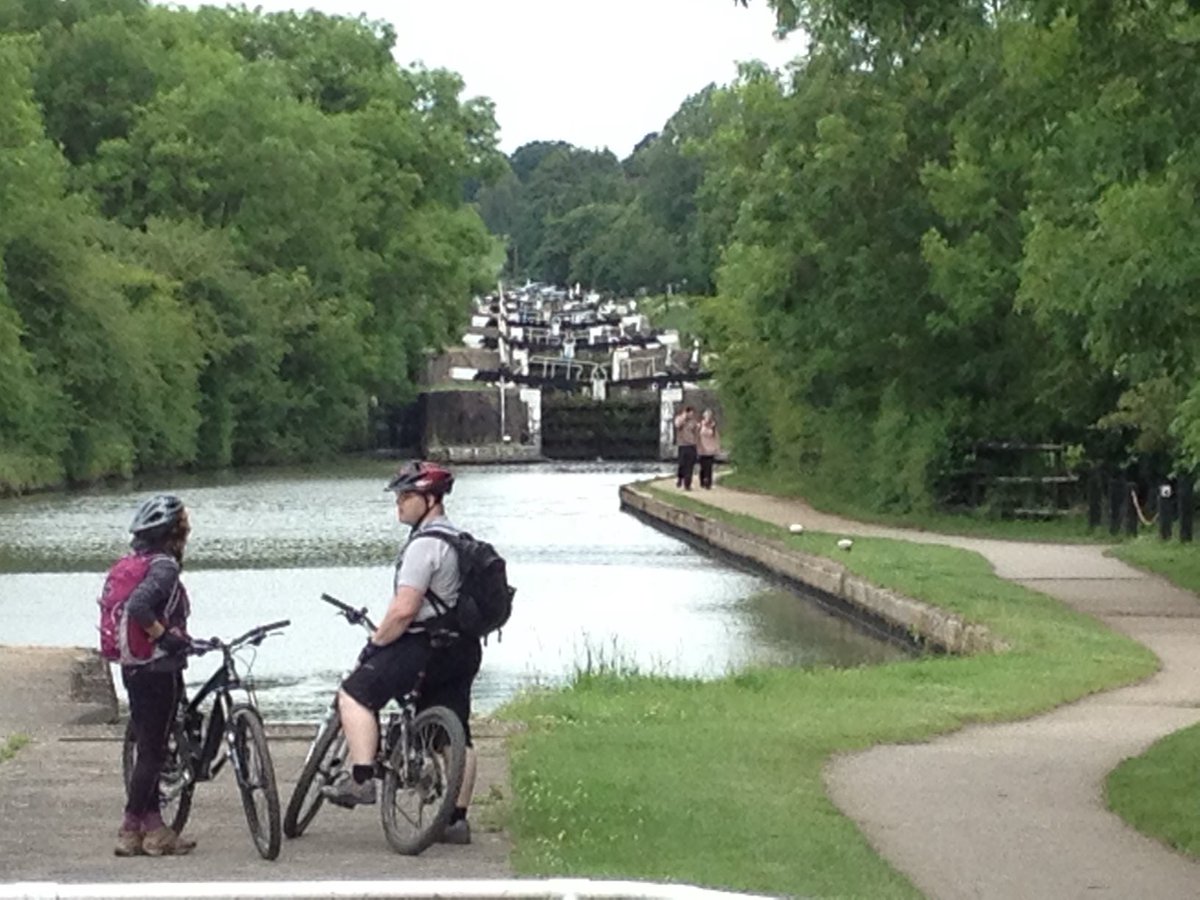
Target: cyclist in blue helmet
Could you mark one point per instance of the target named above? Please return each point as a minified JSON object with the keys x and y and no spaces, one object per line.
{"x":159,"y":606}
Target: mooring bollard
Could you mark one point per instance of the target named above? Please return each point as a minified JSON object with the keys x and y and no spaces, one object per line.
{"x":1166,"y":511}
{"x":1095,"y":498}
{"x":1117,"y":500}
{"x":1185,"y":503}
{"x":1131,"y":512}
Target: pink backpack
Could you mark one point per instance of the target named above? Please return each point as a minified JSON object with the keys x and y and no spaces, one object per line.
{"x":122,"y":639}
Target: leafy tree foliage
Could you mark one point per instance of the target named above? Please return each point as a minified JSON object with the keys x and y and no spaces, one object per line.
{"x":961,"y":222}
{"x":225,"y":233}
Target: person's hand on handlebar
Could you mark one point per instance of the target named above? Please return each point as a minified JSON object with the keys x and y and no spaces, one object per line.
{"x":174,"y":642}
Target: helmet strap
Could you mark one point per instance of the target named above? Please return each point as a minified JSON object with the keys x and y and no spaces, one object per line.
{"x":424,"y":515}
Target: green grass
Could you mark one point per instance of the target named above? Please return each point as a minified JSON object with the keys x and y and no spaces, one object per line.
{"x":678,"y":312}
{"x":11,"y":745}
{"x":719,"y":783}
{"x":1179,"y":563}
{"x":1158,"y":793}
{"x":1072,"y":529}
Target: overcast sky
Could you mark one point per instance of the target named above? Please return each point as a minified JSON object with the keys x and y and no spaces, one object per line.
{"x":595,"y":73}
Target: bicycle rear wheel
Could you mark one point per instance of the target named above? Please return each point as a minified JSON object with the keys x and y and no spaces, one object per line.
{"x":325,"y":760}
{"x":422,"y":781}
{"x":176,"y":782}
{"x":256,"y":779}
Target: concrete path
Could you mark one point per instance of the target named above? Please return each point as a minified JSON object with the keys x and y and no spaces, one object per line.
{"x":1016,"y":810}
{"x":61,"y":798}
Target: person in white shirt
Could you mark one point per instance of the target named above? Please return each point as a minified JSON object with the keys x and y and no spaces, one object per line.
{"x":404,"y":645}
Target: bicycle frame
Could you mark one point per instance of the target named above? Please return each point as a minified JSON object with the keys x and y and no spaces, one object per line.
{"x":402,"y":760}
{"x":396,"y":730}
{"x":208,"y":755}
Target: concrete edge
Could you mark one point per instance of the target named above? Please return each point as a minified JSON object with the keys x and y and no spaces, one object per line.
{"x":92,"y":686}
{"x":526,"y":889}
{"x":482,"y":727}
{"x":483,"y":454}
{"x":915,"y":621}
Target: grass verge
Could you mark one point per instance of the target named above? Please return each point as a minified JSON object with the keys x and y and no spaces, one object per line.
{"x":1158,"y":793}
{"x":719,"y":783}
{"x":1072,"y":529}
{"x":11,"y":745}
{"x":1179,"y":563}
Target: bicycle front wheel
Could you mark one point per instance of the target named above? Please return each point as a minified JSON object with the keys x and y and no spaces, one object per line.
{"x":422,"y":780}
{"x":176,"y":782}
{"x":325,"y":760}
{"x":256,"y":779}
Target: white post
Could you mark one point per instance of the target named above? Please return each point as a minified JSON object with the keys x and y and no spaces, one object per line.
{"x":666,"y":429}
{"x":502,"y":431}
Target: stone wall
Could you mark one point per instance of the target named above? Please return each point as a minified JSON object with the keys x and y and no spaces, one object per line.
{"x":919,"y":622}
{"x":464,"y":426}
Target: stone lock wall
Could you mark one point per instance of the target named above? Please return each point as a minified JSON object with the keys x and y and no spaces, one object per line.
{"x":917,"y":622}
{"x":465,"y":426}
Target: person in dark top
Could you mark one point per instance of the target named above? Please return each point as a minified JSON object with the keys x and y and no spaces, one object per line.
{"x":159,"y":605}
{"x":687,"y":433}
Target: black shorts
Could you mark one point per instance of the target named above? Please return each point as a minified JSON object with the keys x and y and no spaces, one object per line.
{"x":393,"y":670}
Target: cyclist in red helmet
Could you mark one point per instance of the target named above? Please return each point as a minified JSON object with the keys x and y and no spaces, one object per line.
{"x":401,"y":647}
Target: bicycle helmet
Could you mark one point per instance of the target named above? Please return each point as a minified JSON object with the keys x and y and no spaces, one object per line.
{"x":158,"y":513}
{"x":422,"y":478}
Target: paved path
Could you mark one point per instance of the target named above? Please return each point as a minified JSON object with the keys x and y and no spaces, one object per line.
{"x":1016,"y":810}
{"x":61,"y":799}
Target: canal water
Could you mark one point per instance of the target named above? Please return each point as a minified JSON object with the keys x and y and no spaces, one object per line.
{"x":594,"y":586}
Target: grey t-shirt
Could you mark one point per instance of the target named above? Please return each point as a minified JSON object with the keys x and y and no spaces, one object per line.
{"x":429,"y":564}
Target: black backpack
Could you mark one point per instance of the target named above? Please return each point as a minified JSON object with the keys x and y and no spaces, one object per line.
{"x":484,"y":596}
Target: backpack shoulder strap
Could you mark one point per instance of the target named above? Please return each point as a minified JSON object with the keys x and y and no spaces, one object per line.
{"x":436,"y":533}
{"x":440,"y":606}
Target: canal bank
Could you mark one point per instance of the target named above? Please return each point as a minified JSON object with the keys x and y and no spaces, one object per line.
{"x":901,"y":618}
{"x":1015,"y":809}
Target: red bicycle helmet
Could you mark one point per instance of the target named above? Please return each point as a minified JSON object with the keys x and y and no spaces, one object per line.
{"x":422,"y":478}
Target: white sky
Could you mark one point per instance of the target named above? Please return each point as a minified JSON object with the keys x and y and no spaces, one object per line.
{"x":594,"y":73}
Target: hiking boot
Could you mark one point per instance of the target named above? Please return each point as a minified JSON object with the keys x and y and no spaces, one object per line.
{"x":165,"y":842}
{"x":129,"y":843}
{"x":456,"y":833}
{"x":348,"y":793}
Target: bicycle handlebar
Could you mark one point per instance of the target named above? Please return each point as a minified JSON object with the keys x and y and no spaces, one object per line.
{"x":352,"y":615}
{"x":255,"y":636}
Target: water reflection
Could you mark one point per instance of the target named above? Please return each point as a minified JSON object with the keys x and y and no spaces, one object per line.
{"x":590,"y":579}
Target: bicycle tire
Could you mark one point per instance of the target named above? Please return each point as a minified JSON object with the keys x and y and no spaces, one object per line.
{"x":255,"y":772}
{"x":306,"y":797}
{"x":176,"y":783}
{"x":437,"y":748}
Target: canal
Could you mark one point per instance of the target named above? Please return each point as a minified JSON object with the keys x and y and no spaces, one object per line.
{"x":595,"y":586}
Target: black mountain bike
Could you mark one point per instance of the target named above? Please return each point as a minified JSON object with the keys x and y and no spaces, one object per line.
{"x":199,"y":745}
{"x":421,"y":758}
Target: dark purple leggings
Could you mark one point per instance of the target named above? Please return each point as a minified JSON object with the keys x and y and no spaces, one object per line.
{"x":153,"y":697}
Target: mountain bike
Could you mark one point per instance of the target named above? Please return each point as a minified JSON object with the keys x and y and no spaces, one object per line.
{"x":421,"y":758}
{"x":200,"y":744}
